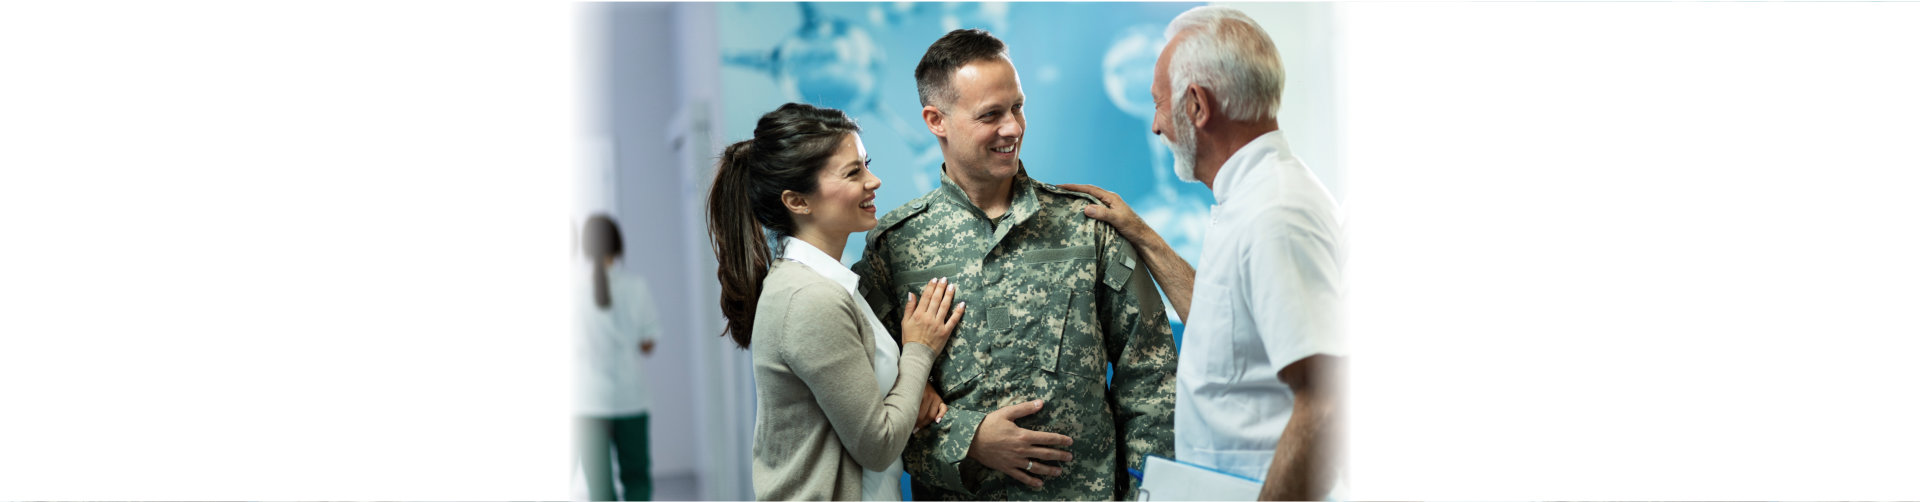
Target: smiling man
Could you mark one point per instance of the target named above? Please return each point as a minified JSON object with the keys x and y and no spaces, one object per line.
{"x":1053,"y":298}
{"x":1263,"y":394}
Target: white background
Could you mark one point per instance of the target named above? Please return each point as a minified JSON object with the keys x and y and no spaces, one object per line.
{"x":1597,"y":250}
{"x":290,"y":251}
{"x":1633,"y":250}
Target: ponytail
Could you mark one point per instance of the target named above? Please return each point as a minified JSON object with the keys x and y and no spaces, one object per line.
{"x":789,"y":147}
{"x":602,"y":241}
{"x":601,"y":297}
{"x":739,"y":243}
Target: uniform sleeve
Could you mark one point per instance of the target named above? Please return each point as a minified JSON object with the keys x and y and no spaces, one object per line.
{"x":1298,"y":294}
{"x":1139,"y":345}
{"x":830,"y":357}
{"x":936,"y":454}
{"x":876,"y":286}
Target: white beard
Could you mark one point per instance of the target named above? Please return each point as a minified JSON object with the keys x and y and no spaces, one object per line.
{"x":1183,"y":154}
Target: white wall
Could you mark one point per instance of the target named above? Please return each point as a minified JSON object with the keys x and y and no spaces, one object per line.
{"x":1633,"y":250}
{"x":722,"y":379}
{"x":652,"y":72}
{"x":628,"y":115}
{"x":1307,"y":36}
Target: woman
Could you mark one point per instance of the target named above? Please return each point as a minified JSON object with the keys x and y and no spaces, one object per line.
{"x":617,"y":327}
{"x":837,"y":397}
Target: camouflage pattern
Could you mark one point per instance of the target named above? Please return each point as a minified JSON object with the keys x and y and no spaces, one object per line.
{"x":1052,"y":298}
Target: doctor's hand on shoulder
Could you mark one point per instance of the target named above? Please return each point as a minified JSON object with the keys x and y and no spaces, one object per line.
{"x":1116,"y":212}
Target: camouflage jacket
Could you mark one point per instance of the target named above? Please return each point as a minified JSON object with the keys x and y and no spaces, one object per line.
{"x":1052,"y":297}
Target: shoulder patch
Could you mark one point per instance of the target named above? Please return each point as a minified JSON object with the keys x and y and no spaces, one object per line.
{"x":896,"y":216}
{"x":1120,"y":264}
{"x":1050,"y":188}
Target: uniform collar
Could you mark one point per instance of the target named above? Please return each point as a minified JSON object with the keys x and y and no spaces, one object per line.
{"x":1243,"y":164}
{"x":798,"y":250}
{"x":1023,"y":205}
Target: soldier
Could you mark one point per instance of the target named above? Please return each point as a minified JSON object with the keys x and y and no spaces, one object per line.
{"x":1054,"y":297}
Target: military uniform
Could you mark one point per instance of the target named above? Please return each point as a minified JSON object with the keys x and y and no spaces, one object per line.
{"x":1052,"y":298}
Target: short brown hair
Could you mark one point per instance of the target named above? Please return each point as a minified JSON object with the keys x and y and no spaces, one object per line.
{"x":958,"y":48}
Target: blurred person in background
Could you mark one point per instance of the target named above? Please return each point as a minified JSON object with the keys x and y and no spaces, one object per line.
{"x":1261,"y":386}
{"x":838,"y":395}
{"x":617,"y":330}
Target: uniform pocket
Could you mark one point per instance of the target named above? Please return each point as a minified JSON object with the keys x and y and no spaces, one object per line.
{"x":1035,"y":337}
{"x":1083,"y":351}
{"x":958,"y":369}
{"x":1211,"y":333}
{"x":914,"y":280}
{"x":1058,"y":338}
{"x":1058,"y":331}
{"x":1050,"y":255}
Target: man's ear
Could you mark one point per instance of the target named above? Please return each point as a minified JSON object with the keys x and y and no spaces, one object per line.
{"x":795,"y":202}
{"x":936,"y":121}
{"x":1199,"y":105}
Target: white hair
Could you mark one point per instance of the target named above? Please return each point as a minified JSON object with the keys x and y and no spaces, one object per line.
{"x":1227,"y":53}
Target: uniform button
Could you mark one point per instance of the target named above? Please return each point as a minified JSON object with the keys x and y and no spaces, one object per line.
{"x":918,"y":205}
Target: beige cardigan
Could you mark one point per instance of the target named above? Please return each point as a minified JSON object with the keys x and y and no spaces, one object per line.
{"x":820,"y":419}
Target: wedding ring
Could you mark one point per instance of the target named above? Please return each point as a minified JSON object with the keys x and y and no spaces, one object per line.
{"x":1029,"y":466}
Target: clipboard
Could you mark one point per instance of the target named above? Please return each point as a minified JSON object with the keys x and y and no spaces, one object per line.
{"x":1168,"y":479}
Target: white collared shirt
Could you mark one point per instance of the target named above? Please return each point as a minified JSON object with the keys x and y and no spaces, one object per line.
{"x":884,"y":485}
{"x":1266,"y":294}
{"x":609,"y":370}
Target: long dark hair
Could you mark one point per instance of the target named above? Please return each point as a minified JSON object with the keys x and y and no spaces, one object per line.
{"x":600,"y":240}
{"x":789,"y":148}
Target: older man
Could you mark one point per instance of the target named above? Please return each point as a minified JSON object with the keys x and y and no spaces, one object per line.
{"x":1052,"y":300}
{"x":1261,"y":367}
